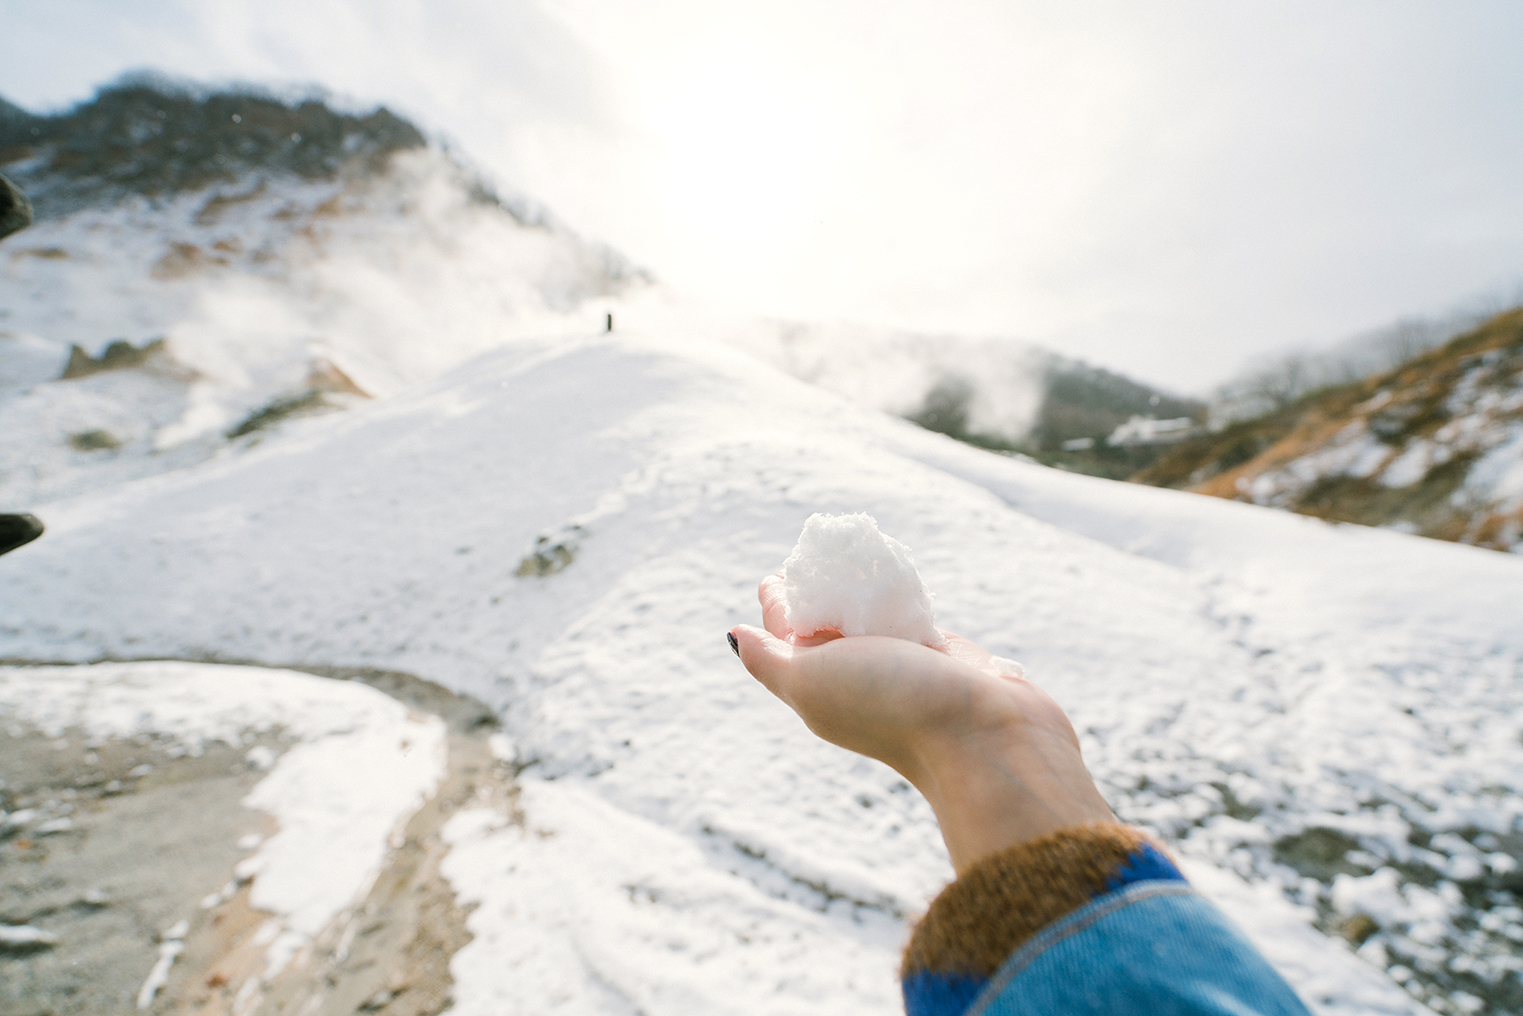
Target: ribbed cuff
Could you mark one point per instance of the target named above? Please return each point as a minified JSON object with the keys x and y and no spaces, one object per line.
{"x":1007,"y":897}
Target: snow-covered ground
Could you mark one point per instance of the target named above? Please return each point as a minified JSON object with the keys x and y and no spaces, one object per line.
{"x":566,"y":527}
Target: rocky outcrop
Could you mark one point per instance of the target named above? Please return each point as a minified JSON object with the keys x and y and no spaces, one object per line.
{"x":150,"y":137}
{"x":15,"y":209}
{"x":118,"y":355}
{"x":1433,"y":447}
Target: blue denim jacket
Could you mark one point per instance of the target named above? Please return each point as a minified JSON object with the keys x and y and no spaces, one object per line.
{"x":1095,"y":920}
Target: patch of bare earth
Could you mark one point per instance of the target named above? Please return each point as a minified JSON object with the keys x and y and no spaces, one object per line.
{"x":122,"y":841}
{"x":147,"y":851}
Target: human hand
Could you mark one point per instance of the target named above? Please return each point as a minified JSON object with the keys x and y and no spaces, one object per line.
{"x":993,"y":754}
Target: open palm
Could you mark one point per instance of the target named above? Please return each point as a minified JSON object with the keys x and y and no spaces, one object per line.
{"x":952,"y":720}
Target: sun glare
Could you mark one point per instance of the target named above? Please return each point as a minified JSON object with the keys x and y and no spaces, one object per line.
{"x":744,"y":148}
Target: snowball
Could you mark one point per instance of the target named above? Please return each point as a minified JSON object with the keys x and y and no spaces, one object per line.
{"x":846,"y":576}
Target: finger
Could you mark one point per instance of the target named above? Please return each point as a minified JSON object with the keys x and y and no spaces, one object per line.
{"x":975,"y":655}
{"x":769,"y":659}
{"x":962,"y":649}
{"x":774,"y":606}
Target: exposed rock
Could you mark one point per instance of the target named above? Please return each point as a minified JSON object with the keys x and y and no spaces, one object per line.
{"x":183,"y":259}
{"x":325,"y":376}
{"x":15,"y":209}
{"x":305,"y":404}
{"x":547,"y":558}
{"x":1358,"y":929}
{"x":150,"y":136}
{"x":1433,"y":447}
{"x":119,"y":355}
{"x":18,"y":531}
{"x":94,"y":440}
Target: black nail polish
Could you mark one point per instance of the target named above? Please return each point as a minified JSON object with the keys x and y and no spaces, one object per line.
{"x":18,"y":530}
{"x":734,"y":646}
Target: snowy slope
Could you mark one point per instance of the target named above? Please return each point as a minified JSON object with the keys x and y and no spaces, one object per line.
{"x":284,"y":258}
{"x":1255,"y":686}
{"x":264,"y":288}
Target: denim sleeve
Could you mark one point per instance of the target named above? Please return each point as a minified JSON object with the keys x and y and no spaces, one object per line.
{"x":1093,"y":920}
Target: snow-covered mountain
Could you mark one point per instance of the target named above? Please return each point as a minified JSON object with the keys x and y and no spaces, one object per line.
{"x":277,"y":257}
{"x":1324,"y":722}
{"x":993,"y":392}
{"x":271,"y":258}
{"x":1433,"y":446}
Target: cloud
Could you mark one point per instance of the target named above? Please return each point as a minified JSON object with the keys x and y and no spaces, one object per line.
{"x":1167,"y":189}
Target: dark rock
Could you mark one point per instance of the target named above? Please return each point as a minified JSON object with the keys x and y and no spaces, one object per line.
{"x":546,"y":559}
{"x":15,"y":209}
{"x":1358,"y":929}
{"x":14,"y":121}
{"x":1319,"y":853}
{"x":306,"y":404}
{"x":18,"y":530}
{"x":94,"y":441}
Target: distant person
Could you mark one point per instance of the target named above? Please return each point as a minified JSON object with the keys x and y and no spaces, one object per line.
{"x":15,"y":215}
{"x":1057,"y":906}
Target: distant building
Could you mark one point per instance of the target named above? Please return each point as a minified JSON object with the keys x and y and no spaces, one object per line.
{"x":1079,"y":444}
{"x":1144,"y":430}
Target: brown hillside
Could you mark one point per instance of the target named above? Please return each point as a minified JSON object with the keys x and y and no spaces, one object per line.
{"x":1433,"y":447}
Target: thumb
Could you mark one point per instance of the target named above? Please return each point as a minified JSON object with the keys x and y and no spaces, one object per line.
{"x":769,"y":659}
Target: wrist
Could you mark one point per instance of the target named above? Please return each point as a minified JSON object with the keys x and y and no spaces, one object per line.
{"x":994,"y":789}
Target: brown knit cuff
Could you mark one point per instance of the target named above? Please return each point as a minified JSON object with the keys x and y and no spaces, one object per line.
{"x":1007,"y":897}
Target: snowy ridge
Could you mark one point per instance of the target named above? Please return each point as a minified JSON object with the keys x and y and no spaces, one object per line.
{"x":993,"y":391}
{"x":1248,"y":683}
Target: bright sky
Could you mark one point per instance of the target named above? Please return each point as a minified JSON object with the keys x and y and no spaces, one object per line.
{"x":1166,"y":188}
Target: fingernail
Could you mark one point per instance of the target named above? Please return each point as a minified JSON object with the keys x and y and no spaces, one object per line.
{"x":734,"y":646}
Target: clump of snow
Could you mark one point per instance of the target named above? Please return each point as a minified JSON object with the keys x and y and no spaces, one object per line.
{"x":1499,"y":473}
{"x":846,"y":576}
{"x":170,"y":948}
{"x":1412,"y":465}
